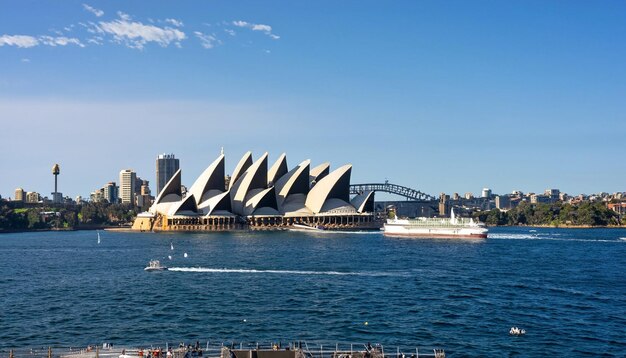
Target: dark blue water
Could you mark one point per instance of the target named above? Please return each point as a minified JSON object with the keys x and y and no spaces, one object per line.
{"x":567,"y":288}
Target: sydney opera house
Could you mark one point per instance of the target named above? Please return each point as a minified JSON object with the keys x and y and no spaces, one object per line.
{"x":258,"y":198}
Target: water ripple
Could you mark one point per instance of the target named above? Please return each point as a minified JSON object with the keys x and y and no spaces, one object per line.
{"x":565,"y":287}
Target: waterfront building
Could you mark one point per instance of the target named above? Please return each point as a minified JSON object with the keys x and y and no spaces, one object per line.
{"x":97,"y":196}
{"x":127,"y":186}
{"x":538,"y":198}
{"x":110,"y":192}
{"x":486,"y":193}
{"x":33,"y":197}
{"x":444,"y":204}
{"x":259,"y":198}
{"x":619,"y":208}
{"x":166,"y":166}
{"x":144,"y":199}
{"x":503,"y":202}
{"x":145,"y":187}
{"x":20,"y":195}
{"x":469,"y":196}
{"x":553,"y":194}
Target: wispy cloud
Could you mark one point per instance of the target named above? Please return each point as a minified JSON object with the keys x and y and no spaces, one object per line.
{"x":266,"y":29}
{"x":23,"y":41}
{"x":135,"y":34}
{"x":60,"y":41}
{"x":175,"y":22}
{"x":207,"y":41}
{"x":96,"y":40}
{"x":94,"y":11}
{"x":26,"y":60}
{"x":126,"y":31}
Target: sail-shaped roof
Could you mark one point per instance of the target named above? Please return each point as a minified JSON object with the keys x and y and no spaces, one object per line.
{"x":244,"y":163}
{"x":335,"y":185}
{"x":318,"y":173}
{"x":277,"y":170}
{"x":170,"y":194}
{"x":254,"y":178}
{"x":364,"y":202}
{"x":296,"y":181}
{"x":210,"y":182}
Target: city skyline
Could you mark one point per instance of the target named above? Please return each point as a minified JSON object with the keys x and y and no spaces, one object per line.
{"x":441,"y":97}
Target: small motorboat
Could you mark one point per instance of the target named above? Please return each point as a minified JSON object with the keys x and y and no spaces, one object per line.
{"x":155,"y":265}
{"x":516,"y":331}
{"x":301,"y":227}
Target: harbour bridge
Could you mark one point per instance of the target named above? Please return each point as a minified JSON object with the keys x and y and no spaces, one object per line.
{"x":408,"y":193}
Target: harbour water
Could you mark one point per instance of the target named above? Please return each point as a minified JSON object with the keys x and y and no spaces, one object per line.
{"x":565,"y":287}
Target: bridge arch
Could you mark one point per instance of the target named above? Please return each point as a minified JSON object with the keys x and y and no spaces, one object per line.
{"x":393,"y":189}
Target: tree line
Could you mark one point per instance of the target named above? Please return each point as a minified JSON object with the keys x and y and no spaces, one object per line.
{"x":18,"y":216}
{"x":553,"y":214}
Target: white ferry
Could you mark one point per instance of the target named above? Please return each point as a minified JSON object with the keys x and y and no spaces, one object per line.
{"x":450,"y":228}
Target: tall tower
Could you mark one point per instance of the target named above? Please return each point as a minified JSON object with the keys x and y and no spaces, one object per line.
{"x":127,"y":186}
{"x":56,"y":196}
{"x":166,"y":167}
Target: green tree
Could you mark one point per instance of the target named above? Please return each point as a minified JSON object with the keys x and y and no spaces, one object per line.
{"x":34,"y":219}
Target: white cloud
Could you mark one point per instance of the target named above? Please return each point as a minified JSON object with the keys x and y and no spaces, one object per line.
{"x":260,"y":27}
{"x":266,"y":29}
{"x":124,"y":16}
{"x":23,"y":41}
{"x":240,"y":23}
{"x":96,"y":40}
{"x":26,"y":60}
{"x":135,"y":34}
{"x":230,"y":32}
{"x":92,"y":10}
{"x":60,"y":41}
{"x":174,"y":22}
{"x":207,"y":41}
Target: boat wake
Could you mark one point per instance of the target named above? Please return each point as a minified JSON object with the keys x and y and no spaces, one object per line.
{"x":545,"y":237}
{"x":285,"y":272}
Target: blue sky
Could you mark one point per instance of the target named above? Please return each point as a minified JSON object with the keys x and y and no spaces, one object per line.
{"x":442,"y":96}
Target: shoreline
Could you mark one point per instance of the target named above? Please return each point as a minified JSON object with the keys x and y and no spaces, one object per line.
{"x":129,"y":229}
{"x":81,"y":228}
{"x":564,"y":226}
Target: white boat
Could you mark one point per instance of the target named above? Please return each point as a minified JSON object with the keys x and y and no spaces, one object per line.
{"x":450,"y":228}
{"x":301,"y":227}
{"x":155,"y":265}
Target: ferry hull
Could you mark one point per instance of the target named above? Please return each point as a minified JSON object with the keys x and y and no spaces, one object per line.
{"x":435,"y":235}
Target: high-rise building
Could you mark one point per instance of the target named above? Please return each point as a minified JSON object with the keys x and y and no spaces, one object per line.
{"x":145,"y":188}
{"x":97,"y":195}
{"x":127,"y":186}
{"x":20,"y":195}
{"x":144,"y":199}
{"x":166,"y":166}
{"x":486,"y":193}
{"x":111,"y":192}
{"x":32,"y":197}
